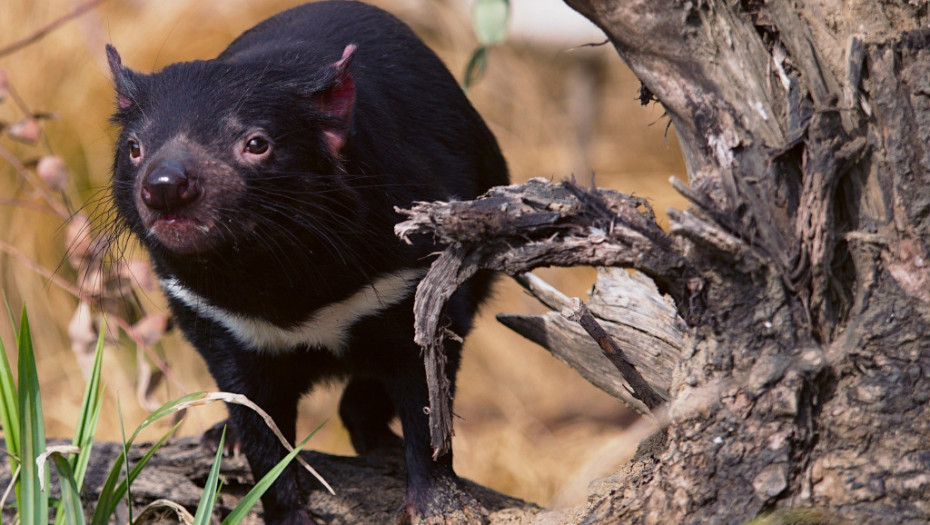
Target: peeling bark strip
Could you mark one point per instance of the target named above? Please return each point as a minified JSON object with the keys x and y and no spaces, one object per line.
{"x":517,"y":228}
{"x":521,"y":227}
{"x":449,"y":271}
{"x":640,"y":388}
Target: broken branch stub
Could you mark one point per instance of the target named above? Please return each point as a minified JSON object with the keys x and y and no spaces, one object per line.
{"x":643,"y":323}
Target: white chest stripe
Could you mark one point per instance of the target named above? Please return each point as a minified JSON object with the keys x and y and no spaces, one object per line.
{"x":326,"y":327}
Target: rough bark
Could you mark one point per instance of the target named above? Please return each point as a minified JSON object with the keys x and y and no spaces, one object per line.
{"x":801,"y":269}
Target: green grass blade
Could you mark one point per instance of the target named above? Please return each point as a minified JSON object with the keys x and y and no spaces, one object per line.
{"x":136,"y":469}
{"x":9,"y":409}
{"x":476,"y":68}
{"x":87,"y":423}
{"x":83,"y":458}
{"x":70,"y":506}
{"x":33,"y":503}
{"x":106,"y":502}
{"x":489,"y":20}
{"x":164,"y":410}
{"x":9,"y":420}
{"x":128,"y":480}
{"x":168,"y":408}
{"x":9,"y":311}
{"x":112,"y":492}
{"x":90,"y":412}
{"x":251,"y":499}
{"x":211,"y":488}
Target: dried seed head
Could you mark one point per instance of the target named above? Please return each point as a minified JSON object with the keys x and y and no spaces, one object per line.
{"x":150,"y":328}
{"x":83,"y":336}
{"x":53,"y":170}
{"x":92,"y":280}
{"x":139,"y":271}
{"x":79,"y":240}
{"x":26,"y":130}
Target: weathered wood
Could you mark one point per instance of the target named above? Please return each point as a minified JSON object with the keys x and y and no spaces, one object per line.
{"x":642,"y":322}
{"x":639,"y":388}
{"x":801,"y":271}
{"x":368,"y":489}
{"x":517,"y":228}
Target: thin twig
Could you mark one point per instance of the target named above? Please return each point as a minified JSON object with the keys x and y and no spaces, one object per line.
{"x":26,"y":205}
{"x":36,"y":184}
{"x":41,"y":32}
{"x":43,"y":271}
{"x":640,"y":389}
{"x":10,"y":487}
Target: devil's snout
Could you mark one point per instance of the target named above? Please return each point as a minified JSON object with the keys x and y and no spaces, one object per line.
{"x":167,"y":186}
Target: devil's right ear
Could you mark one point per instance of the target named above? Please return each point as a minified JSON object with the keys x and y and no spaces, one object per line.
{"x":123,"y":79}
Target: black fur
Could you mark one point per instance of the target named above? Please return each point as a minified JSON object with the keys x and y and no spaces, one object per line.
{"x":309,"y":224}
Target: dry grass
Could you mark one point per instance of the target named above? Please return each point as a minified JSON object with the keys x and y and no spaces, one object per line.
{"x":530,"y":427}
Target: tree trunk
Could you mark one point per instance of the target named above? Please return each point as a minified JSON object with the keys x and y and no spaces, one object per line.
{"x":805,"y":127}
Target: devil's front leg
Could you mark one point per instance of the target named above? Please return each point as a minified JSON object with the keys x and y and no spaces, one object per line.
{"x":275,"y":382}
{"x":435,"y":494}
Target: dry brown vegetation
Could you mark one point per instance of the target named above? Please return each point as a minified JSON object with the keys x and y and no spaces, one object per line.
{"x":530,"y":427}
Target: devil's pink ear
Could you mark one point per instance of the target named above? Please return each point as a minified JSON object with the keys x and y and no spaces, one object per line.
{"x":337,"y":101}
{"x":122,"y":79}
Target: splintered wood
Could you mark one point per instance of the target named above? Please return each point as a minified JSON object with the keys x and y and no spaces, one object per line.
{"x":641,"y":323}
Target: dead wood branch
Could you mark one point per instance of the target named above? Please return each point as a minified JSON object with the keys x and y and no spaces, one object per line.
{"x":805,"y":132}
{"x":517,"y":228}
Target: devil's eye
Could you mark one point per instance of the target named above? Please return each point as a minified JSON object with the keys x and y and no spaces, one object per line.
{"x":257,"y":146}
{"x":135,"y":149}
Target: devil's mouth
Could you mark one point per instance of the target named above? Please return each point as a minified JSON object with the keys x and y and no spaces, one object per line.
{"x":182,"y":234}
{"x":168,"y":220}
{"x":172,"y":219}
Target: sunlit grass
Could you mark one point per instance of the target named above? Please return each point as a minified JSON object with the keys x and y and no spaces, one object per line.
{"x":29,"y":455}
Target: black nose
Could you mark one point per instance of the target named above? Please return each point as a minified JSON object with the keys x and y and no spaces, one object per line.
{"x":168,"y":187}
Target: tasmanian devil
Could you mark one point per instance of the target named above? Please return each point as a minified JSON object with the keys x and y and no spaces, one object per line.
{"x":263,"y":184}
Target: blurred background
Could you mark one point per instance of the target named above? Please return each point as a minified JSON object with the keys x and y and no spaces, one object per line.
{"x":528,"y":425}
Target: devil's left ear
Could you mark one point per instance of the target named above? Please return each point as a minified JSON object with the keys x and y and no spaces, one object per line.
{"x":123,"y":79}
{"x":337,"y":101}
